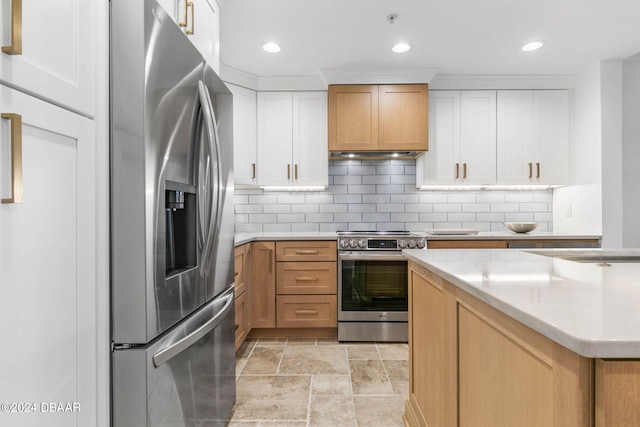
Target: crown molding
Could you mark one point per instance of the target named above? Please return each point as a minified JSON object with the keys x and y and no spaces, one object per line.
{"x":238,"y":77}
{"x":362,"y":76}
{"x":503,"y":82}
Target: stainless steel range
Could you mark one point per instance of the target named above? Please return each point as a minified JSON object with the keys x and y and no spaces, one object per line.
{"x":372,"y":284}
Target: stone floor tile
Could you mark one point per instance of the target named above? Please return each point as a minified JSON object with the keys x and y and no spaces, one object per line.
{"x":331,"y":411}
{"x":396,"y":351}
{"x":312,"y":361}
{"x":278,"y":342}
{"x":263,"y":360}
{"x":379,"y":411}
{"x":331,"y":385}
{"x":273,"y":387}
{"x":369,"y":377}
{"x":301,"y":341}
{"x":362,"y":352}
{"x":398,"y":373}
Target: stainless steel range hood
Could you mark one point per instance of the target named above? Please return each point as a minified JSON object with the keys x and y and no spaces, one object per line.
{"x":374,"y":155}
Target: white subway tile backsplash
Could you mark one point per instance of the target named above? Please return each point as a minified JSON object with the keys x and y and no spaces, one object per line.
{"x":381,"y":194}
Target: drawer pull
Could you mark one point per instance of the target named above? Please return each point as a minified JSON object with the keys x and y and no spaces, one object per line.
{"x":307,"y":252}
{"x":306,"y":279}
{"x":306,"y":311}
{"x":16,"y":157}
{"x":237,"y":326}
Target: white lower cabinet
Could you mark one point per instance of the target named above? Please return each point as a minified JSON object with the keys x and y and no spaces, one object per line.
{"x":292,"y":139}
{"x":48,"y":264}
{"x":533,"y":137}
{"x":462,"y":139}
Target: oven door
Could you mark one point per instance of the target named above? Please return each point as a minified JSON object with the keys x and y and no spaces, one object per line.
{"x":372,"y":286}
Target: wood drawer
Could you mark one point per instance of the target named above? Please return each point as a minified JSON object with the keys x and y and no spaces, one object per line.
{"x":308,"y":278}
{"x":315,"y":250}
{"x":307,"y":311}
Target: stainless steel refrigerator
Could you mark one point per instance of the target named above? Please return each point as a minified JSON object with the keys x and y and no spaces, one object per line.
{"x":172,"y":226}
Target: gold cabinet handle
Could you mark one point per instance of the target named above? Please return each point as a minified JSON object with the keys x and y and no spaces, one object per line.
{"x":288,"y":171}
{"x":530,"y":170}
{"x":457,"y":170}
{"x":183,"y":23}
{"x":306,"y":279}
{"x":253,"y":171}
{"x":192,"y":7}
{"x":537,"y":170}
{"x":16,"y":157}
{"x":295,"y":171}
{"x":464,"y":171}
{"x":307,"y":252}
{"x":15,"y":48}
{"x":306,"y":311}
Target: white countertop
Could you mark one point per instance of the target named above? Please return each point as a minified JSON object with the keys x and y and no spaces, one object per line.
{"x":242,"y":238}
{"x":592,"y":310}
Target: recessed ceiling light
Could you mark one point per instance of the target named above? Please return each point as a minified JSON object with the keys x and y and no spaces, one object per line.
{"x":529,"y":47}
{"x":401,"y":48}
{"x":271,"y":48}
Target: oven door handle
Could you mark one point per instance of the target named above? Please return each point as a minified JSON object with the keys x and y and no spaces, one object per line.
{"x":368,"y":256}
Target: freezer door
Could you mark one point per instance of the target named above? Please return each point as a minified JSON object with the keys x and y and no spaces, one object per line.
{"x":186,"y":378}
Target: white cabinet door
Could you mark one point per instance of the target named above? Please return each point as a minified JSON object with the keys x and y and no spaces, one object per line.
{"x":48,"y":265}
{"x":551,"y":137}
{"x":57,"y":59}
{"x":515,"y":137}
{"x":275,"y":138}
{"x":534,"y":137}
{"x":310,"y":141}
{"x":200,"y":20}
{"x":438,"y":165}
{"x":244,"y":135}
{"x":477,"y":137}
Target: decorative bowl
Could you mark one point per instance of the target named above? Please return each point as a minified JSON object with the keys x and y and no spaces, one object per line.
{"x":521,"y":227}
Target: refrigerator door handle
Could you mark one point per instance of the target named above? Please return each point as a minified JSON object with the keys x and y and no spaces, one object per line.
{"x":166,"y":354}
{"x":210,"y":124}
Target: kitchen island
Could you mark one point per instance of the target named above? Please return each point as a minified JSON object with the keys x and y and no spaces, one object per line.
{"x":505,"y":337}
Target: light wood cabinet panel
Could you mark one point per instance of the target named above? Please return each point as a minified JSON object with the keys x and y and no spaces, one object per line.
{"x":312,"y":250}
{"x":239,"y":262}
{"x":617,"y":393}
{"x":378,"y":118}
{"x":353,"y":117}
{"x":466,"y":244}
{"x":241,"y":319}
{"x":310,"y":278}
{"x":307,"y":311}
{"x":403,"y":117}
{"x":490,"y":369}
{"x":263,"y":285}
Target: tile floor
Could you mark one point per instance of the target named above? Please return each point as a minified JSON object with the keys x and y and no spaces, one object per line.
{"x":308,"y":382}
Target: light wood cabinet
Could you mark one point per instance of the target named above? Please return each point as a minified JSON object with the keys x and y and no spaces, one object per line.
{"x":242,"y":282}
{"x":378,"y":118}
{"x":306,"y":284}
{"x":471,"y":365}
{"x":533,"y":137}
{"x":292,"y":139}
{"x":462,"y":129}
{"x":263,"y":285}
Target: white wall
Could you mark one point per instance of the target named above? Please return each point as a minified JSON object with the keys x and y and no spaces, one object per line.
{"x":631,"y":151}
{"x":578,"y":208}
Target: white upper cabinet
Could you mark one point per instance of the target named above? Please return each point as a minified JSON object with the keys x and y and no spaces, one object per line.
{"x":292,"y":139}
{"x":200,"y":21}
{"x":244,"y":135}
{"x":462,"y":139}
{"x":48,"y":50}
{"x":533,"y":137}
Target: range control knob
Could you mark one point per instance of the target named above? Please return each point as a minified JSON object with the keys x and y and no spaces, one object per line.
{"x":353,"y":243}
{"x":344,"y":243}
{"x":420,"y":244}
{"x":362,"y":243}
{"x":412,"y":244}
{"x":402,"y":244}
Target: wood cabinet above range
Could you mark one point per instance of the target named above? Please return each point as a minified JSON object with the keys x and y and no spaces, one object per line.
{"x":370,"y":118}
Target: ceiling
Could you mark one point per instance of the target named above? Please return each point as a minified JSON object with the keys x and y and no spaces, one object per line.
{"x":453,"y":37}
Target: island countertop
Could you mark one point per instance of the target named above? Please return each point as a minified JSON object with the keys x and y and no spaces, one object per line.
{"x":590,"y":309}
